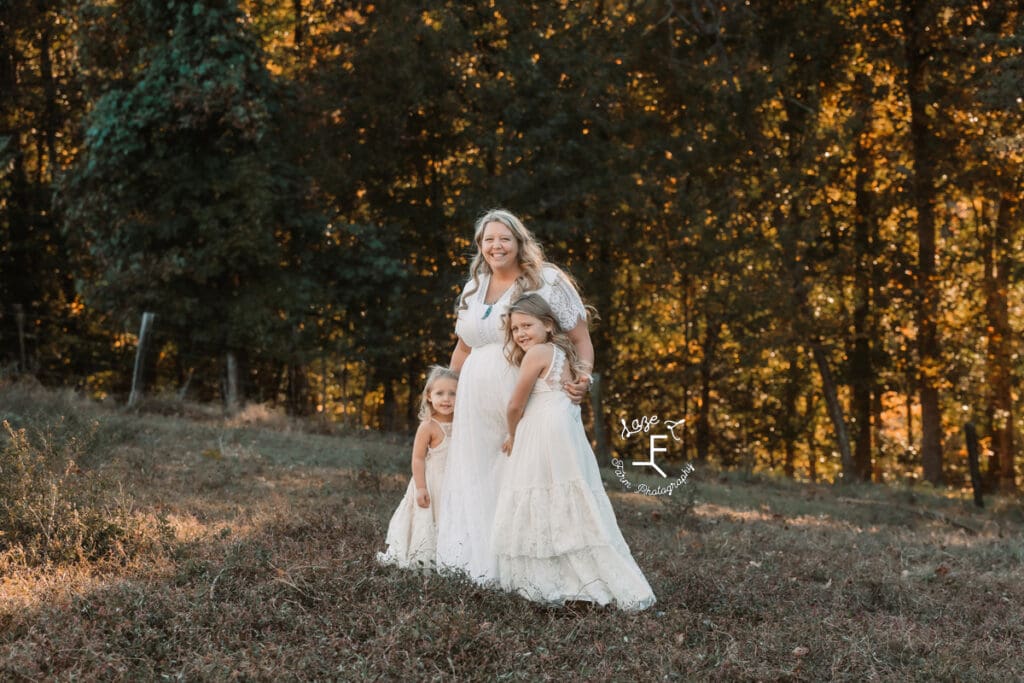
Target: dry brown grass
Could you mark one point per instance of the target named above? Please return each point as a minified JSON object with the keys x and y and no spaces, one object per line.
{"x":271,"y":577}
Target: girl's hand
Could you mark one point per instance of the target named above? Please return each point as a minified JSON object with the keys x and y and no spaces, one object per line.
{"x":578,"y":390}
{"x":506,"y":447}
{"x":422,"y":498}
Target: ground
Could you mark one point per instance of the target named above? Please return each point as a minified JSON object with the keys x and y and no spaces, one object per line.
{"x":262,"y":568}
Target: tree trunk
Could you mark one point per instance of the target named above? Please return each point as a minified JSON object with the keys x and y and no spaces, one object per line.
{"x":703,"y":436}
{"x":861,"y":371}
{"x":299,"y":25}
{"x":812,"y":455}
{"x":998,"y":262}
{"x":299,"y":402}
{"x":792,"y":419}
{"x":51,"y":123}
{"x":795,"y":267}
{"x":835,"y":409}
{"x":922,"y":194}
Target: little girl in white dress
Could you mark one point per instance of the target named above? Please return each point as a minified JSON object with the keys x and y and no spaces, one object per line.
{"x":555,"y":533}
{"x":412,"y":533}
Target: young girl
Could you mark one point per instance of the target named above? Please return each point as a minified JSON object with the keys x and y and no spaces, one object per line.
{"x":555,"y":533}
{"x":412,"y":533}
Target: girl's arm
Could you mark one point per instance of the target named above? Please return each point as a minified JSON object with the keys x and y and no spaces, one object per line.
{"x":419,"y":463}
{"x":460,"y":353}
{"x":535,"y":362}
{"x":580,"y":337}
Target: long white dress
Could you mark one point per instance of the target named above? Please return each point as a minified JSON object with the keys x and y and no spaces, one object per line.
{"x":475,"y":460}
{"x":412,"y":532}
{"x":555,"y":534}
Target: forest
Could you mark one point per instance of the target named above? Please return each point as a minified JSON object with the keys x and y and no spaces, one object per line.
{"x":798,"y":220}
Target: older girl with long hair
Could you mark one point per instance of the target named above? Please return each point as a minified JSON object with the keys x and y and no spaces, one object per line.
{"x":555,"y":536}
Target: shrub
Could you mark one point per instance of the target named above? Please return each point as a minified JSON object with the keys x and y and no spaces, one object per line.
{"x":52,"y":510}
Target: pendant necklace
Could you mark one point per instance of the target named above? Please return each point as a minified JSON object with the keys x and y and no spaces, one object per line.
{"x":490,"y":307}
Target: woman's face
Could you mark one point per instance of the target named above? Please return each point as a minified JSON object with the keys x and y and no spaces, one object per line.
{"x":498,"y":246}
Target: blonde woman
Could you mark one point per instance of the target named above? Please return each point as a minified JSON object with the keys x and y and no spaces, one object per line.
{"x":508,"y":262}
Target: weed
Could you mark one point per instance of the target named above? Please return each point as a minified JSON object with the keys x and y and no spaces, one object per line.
{"x":53,"y":510}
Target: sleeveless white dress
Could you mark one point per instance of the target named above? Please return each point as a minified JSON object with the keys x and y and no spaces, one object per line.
{"x":475,"y":460}
{"x":555,"y":534}
{"x":412,"y":533}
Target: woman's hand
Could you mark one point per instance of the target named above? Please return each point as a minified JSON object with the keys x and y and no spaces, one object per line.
{"x":578,"y":390}
{"x":506,"y":447}
{"x":422,"y":498}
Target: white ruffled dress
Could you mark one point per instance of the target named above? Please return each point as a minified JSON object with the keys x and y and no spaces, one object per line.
{"x":412,"y":532}
{"x":555,"y":534}
{"x":475,"y":461}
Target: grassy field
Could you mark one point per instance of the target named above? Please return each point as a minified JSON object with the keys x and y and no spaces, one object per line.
{"x":252,"y":558}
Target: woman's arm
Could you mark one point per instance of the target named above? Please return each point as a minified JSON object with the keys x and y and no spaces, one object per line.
{"x":535,"y":362}
{"x":419,"y":463}
{"x":580,"y":338}
{"x":460,"y":353}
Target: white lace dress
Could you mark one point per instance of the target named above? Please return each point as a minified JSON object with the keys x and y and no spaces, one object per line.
{"x":555,"y":534}
{"x":475,"y":460}
{"x":412,"y":533}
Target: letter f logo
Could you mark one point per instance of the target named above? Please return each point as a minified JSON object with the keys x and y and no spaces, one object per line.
{"x":651,"y":463}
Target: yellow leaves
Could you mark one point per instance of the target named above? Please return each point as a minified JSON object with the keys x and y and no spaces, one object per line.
{"x":429,"y":21}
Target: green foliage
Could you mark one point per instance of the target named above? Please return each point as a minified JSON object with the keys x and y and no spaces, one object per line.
{"x":183,"y":201}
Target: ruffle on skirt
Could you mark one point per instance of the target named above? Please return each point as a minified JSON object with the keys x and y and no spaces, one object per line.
{"x":562,"y":542}
{"x":412,"y":532}
{"x":597,"y":574}
{"x":554,"y":520}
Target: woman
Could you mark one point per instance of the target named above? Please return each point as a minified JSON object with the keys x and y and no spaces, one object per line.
{"x":508,"y":262}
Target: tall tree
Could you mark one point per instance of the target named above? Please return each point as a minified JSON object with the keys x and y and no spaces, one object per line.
{"x":917,"y":18}
{"x":182,"y":198}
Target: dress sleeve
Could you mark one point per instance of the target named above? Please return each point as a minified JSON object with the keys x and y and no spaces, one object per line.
{"x":564,"y":299}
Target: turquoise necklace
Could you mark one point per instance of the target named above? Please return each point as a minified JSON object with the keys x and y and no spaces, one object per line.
{"x":490,"y":307}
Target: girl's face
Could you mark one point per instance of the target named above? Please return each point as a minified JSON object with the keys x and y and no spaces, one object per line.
{"x":499,"y":247}
{"x":442,"y":396}
{"x":528,"y":330}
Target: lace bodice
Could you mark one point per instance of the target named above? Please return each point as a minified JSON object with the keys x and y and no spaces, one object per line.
{"x":441,"y":448}
{"x":480,"y":323}
{"x":558,"y":373}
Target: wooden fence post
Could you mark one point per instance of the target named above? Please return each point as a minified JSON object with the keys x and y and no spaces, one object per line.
{"x":231,"y":398}
{"x":140,"y":355}
{"x":19,"y":314}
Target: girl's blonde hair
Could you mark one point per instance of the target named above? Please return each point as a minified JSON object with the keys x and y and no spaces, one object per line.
{"x":436,"y":372}
{"x":535,"y":305}
{"x":530,"y":254}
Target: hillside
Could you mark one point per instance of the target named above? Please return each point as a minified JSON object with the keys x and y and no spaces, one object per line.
{"x":251,"y":556}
